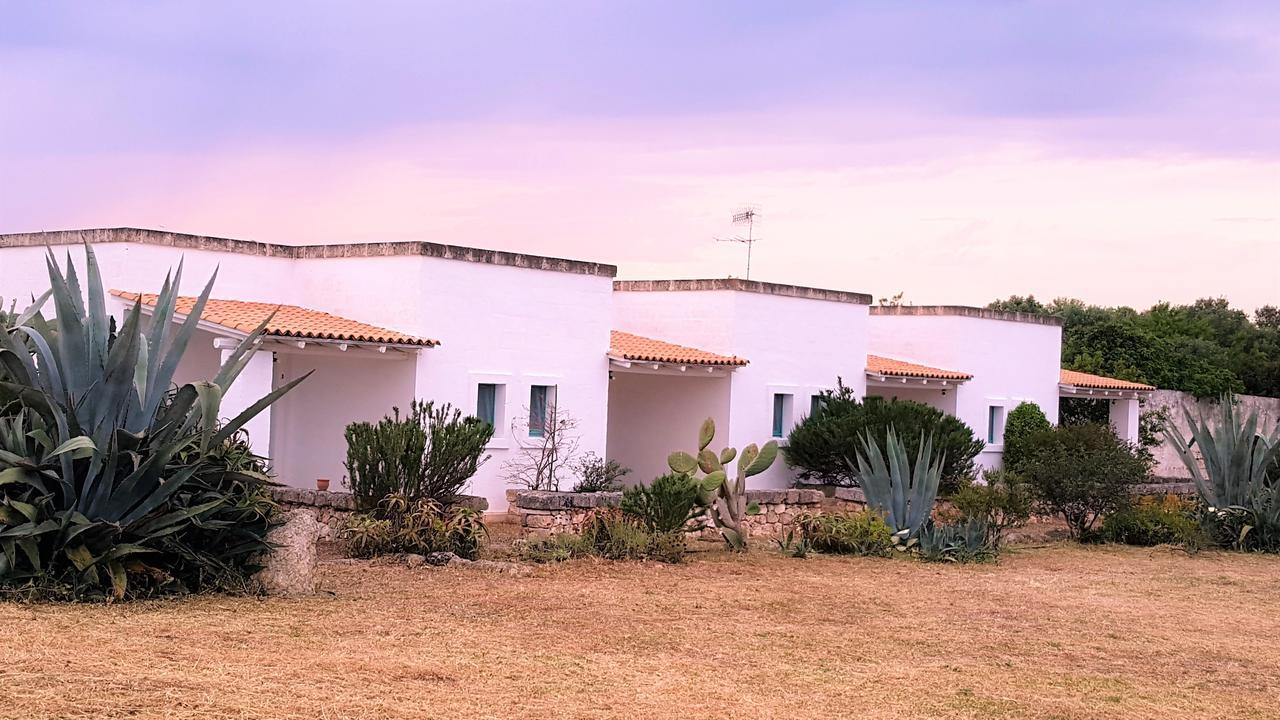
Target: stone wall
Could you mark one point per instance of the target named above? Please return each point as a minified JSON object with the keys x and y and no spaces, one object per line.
{"x":331,"y":509}
{"x":1168,"y":464}
{"x":543,"y":514}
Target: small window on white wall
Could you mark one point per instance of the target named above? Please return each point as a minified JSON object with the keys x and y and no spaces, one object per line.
{"x":816,"y":403}
{"x":781,"y":413}
{"x":542,"y":400}
{"x":490,"y":401}
{"x":995,"y":424}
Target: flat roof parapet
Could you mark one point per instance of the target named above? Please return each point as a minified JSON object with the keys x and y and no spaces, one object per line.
{"x":966,"y":311}
{"x":187,"y":241}
{"x":755,"y":286}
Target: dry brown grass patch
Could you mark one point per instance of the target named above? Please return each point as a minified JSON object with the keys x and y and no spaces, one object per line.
{"x":1058,"y":632}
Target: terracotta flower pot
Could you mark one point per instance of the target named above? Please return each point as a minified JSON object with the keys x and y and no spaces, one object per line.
{"x":322,"y":484}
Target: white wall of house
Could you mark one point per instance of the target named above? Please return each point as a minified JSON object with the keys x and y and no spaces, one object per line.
{"x":653,"y":414}
{"x":797,"y":347}
{"x":1011,"y":361}
{"x":309,"y":423}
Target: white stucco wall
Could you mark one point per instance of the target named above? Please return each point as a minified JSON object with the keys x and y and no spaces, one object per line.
{"x":652,"y":415}
{"x":1010,"y":362}
{"x":796,"y":346}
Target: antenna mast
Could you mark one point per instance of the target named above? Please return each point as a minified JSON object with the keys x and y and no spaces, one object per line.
{"x":745,"y":215}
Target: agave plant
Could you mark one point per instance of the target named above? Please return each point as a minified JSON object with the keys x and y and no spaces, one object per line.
{"x":966,"y":541}
{"x":104,"y":464}
{"x":1237,"y":454}
{"x":903,"y":491}
{"x":1239,"y":474}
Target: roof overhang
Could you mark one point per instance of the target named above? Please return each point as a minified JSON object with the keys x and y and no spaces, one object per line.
{"x":668,"y":368}
{"x":1069,"y":390}
{"x":228,"y":338}
{"x":889,"y":380}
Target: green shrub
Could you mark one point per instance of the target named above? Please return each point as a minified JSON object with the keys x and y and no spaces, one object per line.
{"x":1025,"y":420}
{"x":823,"y":446}
{"x":1166,"y":521}
{"x":1082,"y":472}
{"x":848,"y":533}
{"x":402,"y":525}
{"x":595,"y":474}
{"x":1003,"y":501}
{"x":966,"y":541}
{"x":611,"y":535}
{"x":665,"y":505}
{"x":113,"y":482}
{"x":429,"y":454}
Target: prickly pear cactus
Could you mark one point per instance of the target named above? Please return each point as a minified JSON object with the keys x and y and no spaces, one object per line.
{"x":725,"y":498}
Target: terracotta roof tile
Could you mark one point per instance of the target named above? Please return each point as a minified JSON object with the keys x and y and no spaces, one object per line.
{"x":1085,"y":380}
{"x":289,"y":320}
{"x":643,"y":349}
{"x":900,"y":368}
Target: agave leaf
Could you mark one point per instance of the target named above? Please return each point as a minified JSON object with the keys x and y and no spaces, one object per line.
{"x":169,"y":356}
{"x":79,"y":447}
{"x":79,"y":556}
{"x":239,"y":421}
{"x":33,"y":309}
{"x":119,"y":579}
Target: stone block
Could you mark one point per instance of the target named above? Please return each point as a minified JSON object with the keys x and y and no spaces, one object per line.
{"x":539,"y":521}
{"x":290,"y":568}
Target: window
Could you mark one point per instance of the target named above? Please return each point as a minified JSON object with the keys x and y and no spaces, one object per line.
{"x":541,"y":400}
{"x":781,"y":409}
{"x":816,"y":403}
{"x":487,"y":403}
{"x":995,"y":424}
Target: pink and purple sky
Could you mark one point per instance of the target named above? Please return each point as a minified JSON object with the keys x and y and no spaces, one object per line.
{"x":1122,"y":153}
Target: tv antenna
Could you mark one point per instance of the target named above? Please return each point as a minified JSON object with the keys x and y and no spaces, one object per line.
{"x":745,"y":215}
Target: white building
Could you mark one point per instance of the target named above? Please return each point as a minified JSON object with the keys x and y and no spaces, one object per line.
{"x":638,"y":364}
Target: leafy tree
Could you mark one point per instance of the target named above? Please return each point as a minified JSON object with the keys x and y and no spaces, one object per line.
{"x":822,"y":446}
{"x":1206,"y":348}
{"x":1082,"y":472}
{"x":1024,"y":421}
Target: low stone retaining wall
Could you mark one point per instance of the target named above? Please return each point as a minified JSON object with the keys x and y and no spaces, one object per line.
{"x":331,"y":509}
{"x":543,"y":514}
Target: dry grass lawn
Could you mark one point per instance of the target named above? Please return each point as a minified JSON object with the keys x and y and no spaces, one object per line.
{"x":1053,"y":632}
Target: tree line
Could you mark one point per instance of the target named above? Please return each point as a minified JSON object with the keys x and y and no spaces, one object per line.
{"x":1207,"y":348}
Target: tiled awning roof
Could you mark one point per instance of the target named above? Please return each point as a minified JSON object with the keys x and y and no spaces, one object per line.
{"x":1085,"y":380}
{"x":642,"y":349}
{"x":878,"y":365}
{"x":289,"y":321}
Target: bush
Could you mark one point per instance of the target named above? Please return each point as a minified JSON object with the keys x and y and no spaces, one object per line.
{"x":429,"y":454}
{"x":1025,"y":420}
{"x":823,"y":446}
{"x":115,"y":483}
{"x":849,"y":533}
{"x":961,"y":542}
{"x":612,"y":535}
{"x":595,"y":474}
{"x":666,"y":505}
{"x":1082,"y":472}
{"x":422,"y":526}
{"x":1165,"y":521}
{"x":1002,"y":501}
